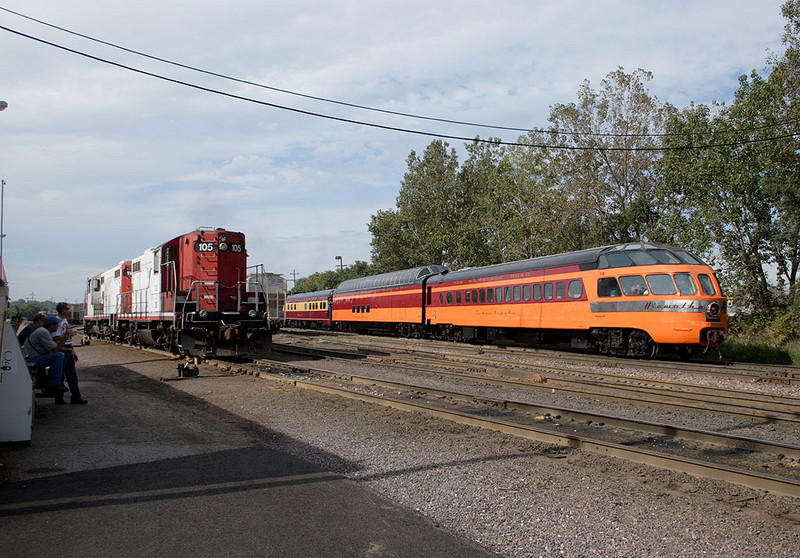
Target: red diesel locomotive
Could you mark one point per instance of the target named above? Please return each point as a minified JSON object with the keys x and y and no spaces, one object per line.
{"x":191,"y":294}
{"x":627,"y":299}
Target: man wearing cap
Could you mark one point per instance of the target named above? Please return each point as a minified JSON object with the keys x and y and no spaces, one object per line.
{"x":41,"y":351}
{"x":64,"y":333}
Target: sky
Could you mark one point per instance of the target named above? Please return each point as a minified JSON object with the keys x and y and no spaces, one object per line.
{"x":102,"y":162}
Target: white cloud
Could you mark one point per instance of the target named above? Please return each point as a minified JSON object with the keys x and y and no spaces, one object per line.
{"x":102,"y":163}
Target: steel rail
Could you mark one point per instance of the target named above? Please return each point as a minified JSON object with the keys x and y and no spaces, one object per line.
{"x":783,"y":373}
{"x":615,"y":392}
{"x":662,"y":429}
{"x":735,"y":475}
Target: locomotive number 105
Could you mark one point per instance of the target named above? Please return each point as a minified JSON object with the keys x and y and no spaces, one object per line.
{"x":208,"y":247}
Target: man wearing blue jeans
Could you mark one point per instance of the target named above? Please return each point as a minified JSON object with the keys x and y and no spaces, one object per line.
{"x":70,"y":358}
{"x":42,"y":351}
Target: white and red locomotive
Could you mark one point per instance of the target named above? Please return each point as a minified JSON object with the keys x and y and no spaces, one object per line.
{"x":188,"y":295}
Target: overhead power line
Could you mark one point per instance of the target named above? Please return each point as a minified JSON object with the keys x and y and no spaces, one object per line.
{"x":387,"y":127}
{"x":368,"y":108}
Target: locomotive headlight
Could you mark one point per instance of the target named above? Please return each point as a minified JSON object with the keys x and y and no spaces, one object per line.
{"x":203,"y":314}
{"x":223,"y":238}
{"x":223,"y":246}
{"x":252,"y":313}
{"x":713,"y":309}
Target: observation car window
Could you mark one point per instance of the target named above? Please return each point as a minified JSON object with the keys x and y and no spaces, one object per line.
{"x":441,"y":298}
{"x":458,"y":297}
{"x":665,"y":257}
{"x":548,"y":291}
{"x":498,"y":294}
{"x":608,"y":286}
{"x":575,"y":289}
{"x":517,"y":293}
{"x":560,"y":289}
{"x":537,"y":291}
{"x":616,"y":260}
{"x":686,"y":257}
{"x":483,"y":295}
{"x":642,"y":258}
{"x":685,"y":283}
{"x":489,"y":295}
{"x":467,"y":297}
{"x":633,"y":285}
{"x":526,"y":293}
{"x":507,"y":294}
{"x":707,"y":284}
{"x":450,"y":297}
{"x":474,"y":296}
{"x":661,"y":284}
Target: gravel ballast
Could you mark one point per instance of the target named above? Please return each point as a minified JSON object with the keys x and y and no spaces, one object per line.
{"x":515,"y":497}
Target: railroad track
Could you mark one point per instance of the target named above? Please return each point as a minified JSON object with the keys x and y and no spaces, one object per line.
{"x":578,"y":383}
{"x":748,"y":371}
{"x":755,"y":463}
{"x":715,"y":455}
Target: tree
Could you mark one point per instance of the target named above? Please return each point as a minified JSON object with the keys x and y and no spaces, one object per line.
{"x":607,"y":163}
{"x":326,"y":280}
{"x":427,"y":224}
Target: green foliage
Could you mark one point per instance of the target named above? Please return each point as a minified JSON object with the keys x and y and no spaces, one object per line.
{"x":28,"y":309}
{"x":772,"y":337}
{"x":326,"y":280}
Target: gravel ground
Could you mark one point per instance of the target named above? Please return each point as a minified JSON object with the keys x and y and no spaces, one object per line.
{"x":515,"y":497}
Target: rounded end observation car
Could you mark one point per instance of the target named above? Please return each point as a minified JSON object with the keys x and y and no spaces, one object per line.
{"x":189,"y":294}
{"x":627,"y":299}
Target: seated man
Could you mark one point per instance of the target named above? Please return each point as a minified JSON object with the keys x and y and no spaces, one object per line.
{"x":42,"y":351}
{"x":37,"y":322}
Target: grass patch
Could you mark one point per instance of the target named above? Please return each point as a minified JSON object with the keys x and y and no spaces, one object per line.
{"x":758,"y":353}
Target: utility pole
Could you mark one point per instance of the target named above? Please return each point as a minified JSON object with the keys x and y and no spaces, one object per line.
{"x":294,"y":277}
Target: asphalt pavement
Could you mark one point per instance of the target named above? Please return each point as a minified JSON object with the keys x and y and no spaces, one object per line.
{"x":146,"y":470}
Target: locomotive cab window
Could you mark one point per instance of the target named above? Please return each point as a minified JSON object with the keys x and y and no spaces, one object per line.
{"x":707,"y":284}
{"x":633,"y":285}
{"x":608,"y":286}
{"x":661,"y":284}
{"x":685,"y":283}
